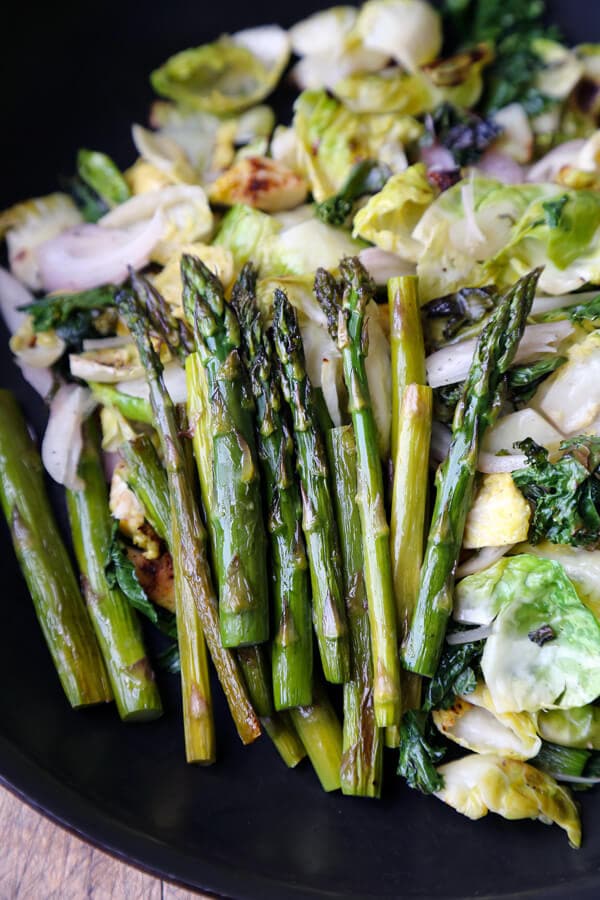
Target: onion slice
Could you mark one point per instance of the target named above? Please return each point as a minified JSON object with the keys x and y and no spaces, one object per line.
{"x":13,"y":294}
{"x":88,"y":256}
{"x":175,"y":383}
{"x":61,"y":447}
{"x":481,"y":560}
{"x":41,"y":380}
{"x":465,"y":637}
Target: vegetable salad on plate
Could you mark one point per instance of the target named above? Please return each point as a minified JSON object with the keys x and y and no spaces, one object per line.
{"x":324,"y":396}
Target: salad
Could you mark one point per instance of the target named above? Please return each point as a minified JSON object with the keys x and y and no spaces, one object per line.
{"x":324,"y":399}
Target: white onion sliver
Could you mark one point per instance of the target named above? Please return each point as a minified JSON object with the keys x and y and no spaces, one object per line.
{"x":382,"y":265}
{"x":175,"y":383}
{"x":41,"y":380}
{"x":42,"y":355}
{"x":548,"y":167}
{"x":13,"y":294}
{"x":88,"y":256}
{"x":61,"y":447}
{"x":481,"y":560}
{"x":437,"y":158}
{"x":465,"y":637}
{"x":548,"y":304}
{"x":441,"y":438}
{"x":451,"y":364}
{"x":109,"y":343}
{"x":575,"y":779}
{"x":491,"y":463}
{"x":502,"y":167}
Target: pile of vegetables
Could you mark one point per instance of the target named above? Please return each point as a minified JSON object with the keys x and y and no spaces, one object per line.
{"x":324,"y":398}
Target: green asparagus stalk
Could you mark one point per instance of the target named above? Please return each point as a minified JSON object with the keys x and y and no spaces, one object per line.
{"x":321,"y":734}
{"x":45,"y":564}
{"x":406,"y":343}
{"x":362,"y":760}
{"x":319,"y":526}
{"x":135,"y":408}
{"x":173,"y":331}
{"x":240,"y":547}
{"x":292,"y":644}
{"x":476,"y":410}
{"x":147,"y":478}
{"x":188,"y":538}
{"x":253,"y":660}
{"x":145,"y":475}
{"x":358,"y":290}
{"x":116,"y":624}
{"x":411,"y":429}
{"x":407,"y":518}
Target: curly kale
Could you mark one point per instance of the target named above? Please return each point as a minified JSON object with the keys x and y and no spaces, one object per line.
{"x":420,"y":751}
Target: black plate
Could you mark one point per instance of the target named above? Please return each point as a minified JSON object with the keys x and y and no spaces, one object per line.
{"x":74,"y":76}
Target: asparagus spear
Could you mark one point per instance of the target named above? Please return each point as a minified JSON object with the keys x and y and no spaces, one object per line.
{"x":253,"y":660}
{"x":318,"y":523}
{"x":147,"y":478}
{"x":477,"y":408}
{"x":358,"y":290}
{"x":45,"y":564}
{"x":406,"y":344}
{"x":135,"y":408}
{"x":411,"y":430}
{"x":321,"y":734}
{"x":116,"y":625}
{"x":240,"y":547}
{"x":292,"y":643}
{"x":145,"y":475}
{"x":362,"y":760}
{"x":188,"y":539}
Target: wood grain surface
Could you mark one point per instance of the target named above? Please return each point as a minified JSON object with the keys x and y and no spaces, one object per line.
{"x":41,"y":861}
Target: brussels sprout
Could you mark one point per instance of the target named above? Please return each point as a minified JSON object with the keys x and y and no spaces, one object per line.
{"x":407,"y":30}
{"x":243,"y":232}
{"x":478,"y":784}
{"x":499,"y":514}
{"x":39,"y":350}
{"x":107,"y":366}
{"x":389,"y":218}
{"x":391,"y":90}
{"x":31,"y":223}
{"x":333,"y":139}
{"x":183,"y":209}
{"x":168,"y":281}
{"x":116,"y":429}
{"x":570,"y":398}
{"x":579,"y":727}
{"x":458,"y":79}
{"x":516,"y":139}
{"x":129,"y":513}
{"x":561,"y":70}
{"x":324,"y":70}
{"x":473,"y":722}
{"x":524,"y":669}
{"x":260,"y":182}
{"x":164,"y":154}
{"x":325,"y":31}
{"x":228,"y":75}
{"x":508,"y":430}
{"x":305,"y":247}
{"x":582,"y":568}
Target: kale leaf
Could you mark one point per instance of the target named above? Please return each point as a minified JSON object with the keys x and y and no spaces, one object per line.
{"x":448,"y":316}
{"x":120,"y":572}
{"x":565,"y":495}
{"x":553,"y":210}
{"x":420,"y":751}
{"x":524,"y":380}
{"x":72,"y":316}
{"x":466,"y":135}
{"x":456,"y":674}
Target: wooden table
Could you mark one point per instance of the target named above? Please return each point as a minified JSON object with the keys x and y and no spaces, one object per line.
{"x":39,"y":859}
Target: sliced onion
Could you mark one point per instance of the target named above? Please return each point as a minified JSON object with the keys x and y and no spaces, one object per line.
{"x":437,"y":158}
{"x":61,"y":447}
{"x":110,"y":461}
{"x":490,"y":463}
{"x":41,"y":380}
{"x":465,"y":637}
{"x":175,"y":383}
{"x":441,"y":438}
{"x":548,"y":304}
{"x":109,"y":343}
{"x":382,"y":265}
{"x":451,"y":364}
{"x":13,"y":295}
{"x":88,"y":256}
{"x":548,"y":167}
{"x":481,"y":560}
{"x":575,"y":779}
{"x":330,"y":370}
{"x":502,"y":167}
